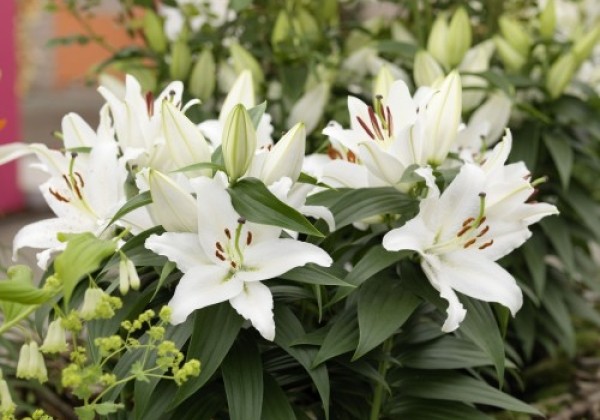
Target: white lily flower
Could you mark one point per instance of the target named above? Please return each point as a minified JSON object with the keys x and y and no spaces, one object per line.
{"x":242,"y":92}
{"x":172,"y":206}
{"x":476,"y":60}
{"x":482,"y":216}
{"x":213,"y":12}
{"x":228,"y":259}
{"x":310,"y":107}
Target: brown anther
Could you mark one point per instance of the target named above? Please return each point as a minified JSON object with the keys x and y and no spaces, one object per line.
{"x":484,"y":231}
{"x":351,"y":157}
{"x":333,"y":153}
{"x":58,"y":196}
{"x":77,"y":190}
{"x":150,"y":103}
{"x":365,"y":127}
{"x":80,"y":178}
{"x":68,"y":182}
{"x":464,"y":230}
{"x":468,"y":221}
{"x":249,"y":238}
{"x":487,"y":244}
{"x":469,"y":243}
{"x":375,"y":123}
{"x":219,"y":256}
{"x":390,"y":122}
{"x":233,"y":264}
{"x":482,"y":221}
{"x":219,"y":247}
{"x":227,"y":233}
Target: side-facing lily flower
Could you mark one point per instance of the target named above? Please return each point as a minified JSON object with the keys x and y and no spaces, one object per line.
{"x":228,"y":258}
{"x":460,"y":234}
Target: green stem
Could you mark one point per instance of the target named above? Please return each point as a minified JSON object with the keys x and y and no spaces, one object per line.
{"x":383,"y":367}
{"x":8,"y":325}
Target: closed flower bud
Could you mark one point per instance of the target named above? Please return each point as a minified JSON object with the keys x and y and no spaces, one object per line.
{"x":281,"y":30}
{"x":459,"y":36}
{"x":91,"y":302}
{"x":181,"y":61}
{"x":513,"y":60}
{"x":154,"y":32}
{"x":203,"y":78}
{"x":584,"y":46}
{"x":307,"y":25}
{"x":286,"y":157}
{"x":134,"y":278}
{"x":437,"y":42}
{"x":6,"y":403}
{"x":56,"y":340}
{"x":123,"y":276}
{"x":382,"y":83}
{"x":548,"y":20}
{"x":560,"y":74}
{"x":515,"y":34}
{"x":238,"y":142}
{"x":309,"y":108}
{"x":243,"y":60}
{"x":426,"y":69}
{"x":31,"y":363}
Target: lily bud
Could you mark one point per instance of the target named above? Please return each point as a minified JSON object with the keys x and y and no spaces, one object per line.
{"x":242,"y":92}
{"x":286,"y":157}
{"x":172,"y":207}
{"x":203,"y":78}
{"x":91,"y":301}
{"x":238,"y":143}
{"x":153,"y":31}
{"x":243,"y":60}
{"x":309,"y":108}
{"x":6,"y":402}
{"x":584,"y":46}
{"x":513,"y":60}
{"x":459,"y":37}
{"x":548,"y":20}
{"x":31,"y":363}
{"x":382,"y":83}
{"x":181,"y":61}
{"x":426,"y":69}
{"x":437,"y":42}
{"x":281,"y":30}
{"x":307,"y":25}
{"x":560,"y":74}
{"x":515,"y":34}
{"x":128,"y":276}
{"x":56,"y":340}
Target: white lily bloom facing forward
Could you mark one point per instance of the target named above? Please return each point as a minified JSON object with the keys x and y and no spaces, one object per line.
{"x":459,"y":238}
{"x":228,"y":258}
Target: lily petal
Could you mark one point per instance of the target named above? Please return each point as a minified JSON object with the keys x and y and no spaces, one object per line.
{"x":413,"y":235}
{"x":76,"y":132}
{"x":255,"y":303}
{"x":182,"y":248}
{"x":200,"y":287}
{"x":172,"y":207}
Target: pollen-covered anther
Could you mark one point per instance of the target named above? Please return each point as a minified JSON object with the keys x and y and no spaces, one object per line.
{"x":150,"y":103}
{"x":220,"y":256}
{"x":468,"y":221}
{"x":58,"y":196}
{"x":219,"y":247}
{"x":469,"y":243}
{"x":227,"y":233}
{"x":80,"y":178}
{"x":487,"y":244}
{"x":365,"y":127}
{"x":464,"y":230}
{"x":483,"y":231}
{"x":482,"y":221}
{"x":249,"y":238}
{"x":333,"y":153}
{"x":390,"y":122}
{"x":233,"y":264}
{"x":351,"y":157}
{"x":375,"y":123}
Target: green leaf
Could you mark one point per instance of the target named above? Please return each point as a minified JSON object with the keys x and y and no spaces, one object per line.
{"x":19,"y":289}
{"x":251,"y":199}
{"x":554,"y":303}
{"x":341,"y":338}
{"x":496,"y":79}
{"x":83,"y":255}
{"x":353,"y":205}
{"x":215,"y":329}
{"x":239,"y":5}
{"x":138,"y":201}
{"x":452,"y":386}
{"x":562,"y":155}
{"x":202,"y":165}
{"x":534,"y":251}
{"x":276,"y":405}
{"x":243,"y":378}
{"x":375,"y":260}
{"x":256,"y":113}
{"x":384,"y":305}
{"x":313,"y":274}
{"x":424,"y":409}
{"x":557,"y":231}
{"x":166,"y":270}
{"x":585,"y":207}
{"x":526,"y":145}
{"x":481,"y":327}
{"x":288,"y":328}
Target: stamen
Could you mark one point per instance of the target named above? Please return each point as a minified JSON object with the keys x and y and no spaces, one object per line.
{"x":351,"y":157}
{"x":150,"y":103}
{"x":77,"y":191}
{"x":464,"y":230}
{"x":219,"y":256}
{"x":220,"y":247}
{"x":227,"y":233}
{"x":487,"y":244}
{"x":484,"y":231}
{"x":468,"y":221}
{"x":249,"y":238}
{"x":365,"y":127}
{"x":482,"y":221}
{"x":390,"y":122}
{"x":233,"y":264}
{"x":375,"y":124}
{"x":333,"y":153}
{"x":67,"y":182}
{"x":469,"y":243}
{"x":78,"y":175}
{"x":58,"y":196}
